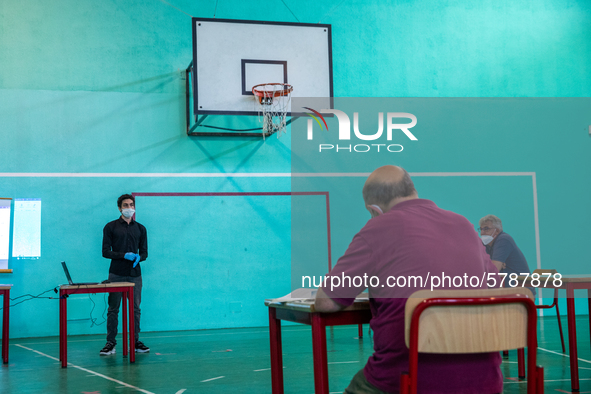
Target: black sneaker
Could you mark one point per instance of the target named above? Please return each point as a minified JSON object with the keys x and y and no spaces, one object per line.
{"x":141,"y":348}
{"x":108,"y":349}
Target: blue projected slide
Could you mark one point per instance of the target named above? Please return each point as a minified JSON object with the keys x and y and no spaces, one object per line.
{"x":26,"y":239}
{"x":4,"y":231}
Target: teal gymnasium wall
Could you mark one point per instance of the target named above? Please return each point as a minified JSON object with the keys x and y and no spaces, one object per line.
{"x":98,"y":87}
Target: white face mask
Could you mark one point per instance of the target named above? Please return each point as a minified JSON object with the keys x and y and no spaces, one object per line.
{"x":486,"y":239}
{"x":128,"y":212}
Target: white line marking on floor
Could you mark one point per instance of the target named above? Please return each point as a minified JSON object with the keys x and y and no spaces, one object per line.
{"x":207,"y":335}
{"x":183,"y":336}
{"x":510,"y":362}
{"x":181,"y":391}
{"x":563,"y":355}
{"x":545,"y":381}
{"x":89,"y":371}
{"x":265,"y":369}
{"x":209,"y":380}
{"x":307,"y":328}
{"x":344,"y":362}
{"x":164,"y":336}
{"x":38,"y":352}
{"x":562,"y":380}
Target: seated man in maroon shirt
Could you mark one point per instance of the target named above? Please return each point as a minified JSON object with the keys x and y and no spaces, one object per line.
{"x":410,"y":237}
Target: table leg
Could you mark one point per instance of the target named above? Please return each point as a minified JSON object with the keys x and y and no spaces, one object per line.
{"x":5,"y":323}
{"x":60,"y":324}
{"x":361,"y":331}
{"x":64,"y":330}
{"x":559,"y":322}
{"x":4,"y":296}
{"x":572,"y":338}
{"x":319,"y":352}
{"x":589,"y":300}
{"x":3,"y":293}
{"x":131,"y":326}
{"x":124,"y":321}
{"x":521,"y":363}
{"x":276,"y":352}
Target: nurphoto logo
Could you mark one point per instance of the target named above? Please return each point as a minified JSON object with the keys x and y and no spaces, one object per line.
{"x":345,"y":131}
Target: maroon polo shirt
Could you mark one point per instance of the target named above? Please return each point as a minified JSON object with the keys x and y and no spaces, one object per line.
{"x":416,"y":239}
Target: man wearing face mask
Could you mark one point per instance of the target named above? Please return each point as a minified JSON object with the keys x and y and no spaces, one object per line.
{"x":409,"y":237}
{"x":502,"y":249}
{"x":125,"y":242}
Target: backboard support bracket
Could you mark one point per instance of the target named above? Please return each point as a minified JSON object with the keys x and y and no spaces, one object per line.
{"x":198,"y":122}
{"x":191,"y":127}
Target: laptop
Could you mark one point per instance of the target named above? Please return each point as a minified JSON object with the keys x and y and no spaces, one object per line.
{"x":70,"y":278}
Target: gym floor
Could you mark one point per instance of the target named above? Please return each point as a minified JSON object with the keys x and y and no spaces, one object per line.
{"x":237,"y":361}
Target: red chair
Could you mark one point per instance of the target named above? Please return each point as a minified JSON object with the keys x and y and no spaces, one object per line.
{"x":471,"y":321}
{"x":554,"y":304}
{"x":520,"y":353}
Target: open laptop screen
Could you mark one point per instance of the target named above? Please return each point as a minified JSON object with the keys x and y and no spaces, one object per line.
{"x":67,"y":272}
{"x":70,"y":278}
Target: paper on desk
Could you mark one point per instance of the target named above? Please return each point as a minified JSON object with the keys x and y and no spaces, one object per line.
{"x":297,"y":295}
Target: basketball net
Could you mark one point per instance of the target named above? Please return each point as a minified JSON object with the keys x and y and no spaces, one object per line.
{"x":272,"y":101}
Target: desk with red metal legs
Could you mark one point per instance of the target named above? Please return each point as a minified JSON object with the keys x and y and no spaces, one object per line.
{"x":5,"y":291}
{"x":303,"y":312}
{"x":126,"y":290}
{"x":570,"y":284}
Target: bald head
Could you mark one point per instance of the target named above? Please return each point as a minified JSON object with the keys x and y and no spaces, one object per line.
{"x":387,"y":186}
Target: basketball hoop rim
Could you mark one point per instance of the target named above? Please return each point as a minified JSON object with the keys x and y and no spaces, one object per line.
{"x":272,"y":93}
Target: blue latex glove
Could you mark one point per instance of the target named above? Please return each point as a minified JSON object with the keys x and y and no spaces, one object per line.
{"x":137,"y":260}
{"x":130,"y":256}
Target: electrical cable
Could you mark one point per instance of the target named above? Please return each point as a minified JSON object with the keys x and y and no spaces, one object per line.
{"x":167,"y":3}
{"x":216,"y":8}
{"x":331,"y":11}
{"x":93,"y":320}
{"x":32,"y":297}
{"x":290,"y":10}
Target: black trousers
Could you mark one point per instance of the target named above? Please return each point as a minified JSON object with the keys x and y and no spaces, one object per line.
{"x":115,"y":302}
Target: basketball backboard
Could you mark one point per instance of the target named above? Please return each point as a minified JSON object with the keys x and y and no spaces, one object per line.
{"x":231,"y":56}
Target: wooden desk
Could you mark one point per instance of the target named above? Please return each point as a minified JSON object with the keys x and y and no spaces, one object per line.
{"x":5,"y":291}
{"x":570,"y":283}
{"x":303,"y":312}
{"x":126,"y":290}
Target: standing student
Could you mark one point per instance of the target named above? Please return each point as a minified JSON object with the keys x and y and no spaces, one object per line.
{"x":412,"y":238}
{"x":125,"y":242}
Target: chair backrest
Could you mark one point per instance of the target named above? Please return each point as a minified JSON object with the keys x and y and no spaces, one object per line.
{"x":469,"y":329}
{"x":541,"y":271}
